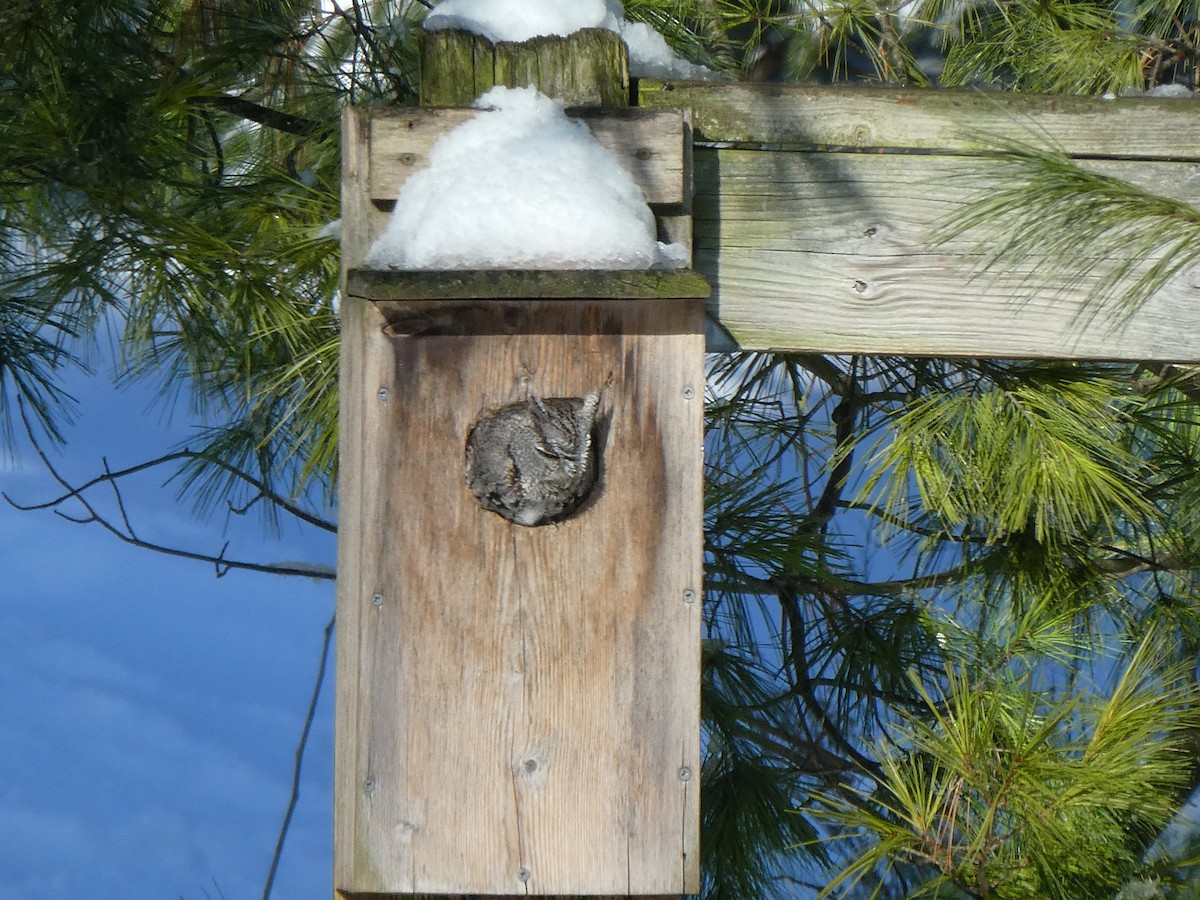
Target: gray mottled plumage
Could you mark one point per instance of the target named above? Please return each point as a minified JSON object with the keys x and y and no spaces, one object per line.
{"x":534,"y":461}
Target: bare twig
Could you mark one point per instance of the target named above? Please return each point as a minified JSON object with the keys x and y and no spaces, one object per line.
{"x":844,"y":417}
{"x":219,"y":562}
{"x":218,"y":150}
{"x":120,"y":501}
{"x":265,"y":493}
{"x":300,"y":747}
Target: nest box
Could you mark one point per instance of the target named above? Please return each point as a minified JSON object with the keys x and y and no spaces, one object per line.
{"x":518,"y":702}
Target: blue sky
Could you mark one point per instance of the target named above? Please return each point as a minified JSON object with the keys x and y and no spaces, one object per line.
{"x":150,"y":711}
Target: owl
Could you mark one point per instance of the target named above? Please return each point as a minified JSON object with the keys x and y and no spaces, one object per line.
{"x":534,"y":461}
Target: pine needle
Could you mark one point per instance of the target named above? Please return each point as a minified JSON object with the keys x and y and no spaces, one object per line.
{"x":1052,"y":216}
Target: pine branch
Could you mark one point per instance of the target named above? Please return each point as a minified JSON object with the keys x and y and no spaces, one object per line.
{"x":256,"y":112}
{"x":221,"y":564}
{"x":1185,"y":379}
{"x":796,"y":655}
{"x":1118,"y":243}
{"x":111,"y":477}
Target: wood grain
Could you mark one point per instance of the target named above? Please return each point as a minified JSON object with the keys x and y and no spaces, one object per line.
{"x":830,"y":252}
{"x":587,"y":68}
{"x":876,"y":119}
{"x":355,"y":537}
{"x":516,"y":705}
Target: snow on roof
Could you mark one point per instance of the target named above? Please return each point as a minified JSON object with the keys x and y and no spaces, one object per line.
{"x":521,"y":186}
{"x":521,"y":20}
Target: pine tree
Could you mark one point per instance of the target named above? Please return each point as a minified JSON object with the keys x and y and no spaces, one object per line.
{"x":951,"y":605}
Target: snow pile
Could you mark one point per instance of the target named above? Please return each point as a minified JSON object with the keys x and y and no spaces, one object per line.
{"x":521,"y":20}
{"x":521,"y":187}
{"x":517,"y":20}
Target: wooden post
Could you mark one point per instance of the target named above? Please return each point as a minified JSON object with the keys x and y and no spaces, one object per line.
{"x":517,"y":707}
{"x":589,"y":68}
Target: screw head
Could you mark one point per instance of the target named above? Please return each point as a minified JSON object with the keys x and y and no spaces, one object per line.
{"x":377,"y":599}
{"x":383,"y":395}
{"x":685,"y":774}
{"x":524,"y":874}
{"x":689,"y":596}
{"x":368,"y":784}
{"x":689,"y":392}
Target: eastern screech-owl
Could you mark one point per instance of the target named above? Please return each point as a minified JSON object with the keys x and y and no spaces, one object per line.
{"x":534,"y":461}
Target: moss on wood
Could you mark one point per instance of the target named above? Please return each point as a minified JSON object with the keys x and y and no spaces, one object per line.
{"x":587,"y":68}
{"x":666,"y":284}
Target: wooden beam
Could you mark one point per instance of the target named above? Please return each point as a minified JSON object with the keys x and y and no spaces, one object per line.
{"x":830,"y":253}
{"x":875,"y":119}
{"x":812,"y":244}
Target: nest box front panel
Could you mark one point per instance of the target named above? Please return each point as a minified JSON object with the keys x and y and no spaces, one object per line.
{"x":519,"y":619}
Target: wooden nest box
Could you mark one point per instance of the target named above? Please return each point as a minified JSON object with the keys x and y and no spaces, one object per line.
{"x":517,"y":704}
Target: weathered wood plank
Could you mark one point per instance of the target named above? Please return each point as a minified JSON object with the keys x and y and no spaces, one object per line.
{"x":587,"y":68}
{"x":650,"y":145}
{"x":356,"y":535}
{"x":830,"y":252}
{"x":518,"y":706}
{"x":947,"y":121}
{"x":665,"y":284}
{"x":455,"y":70}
